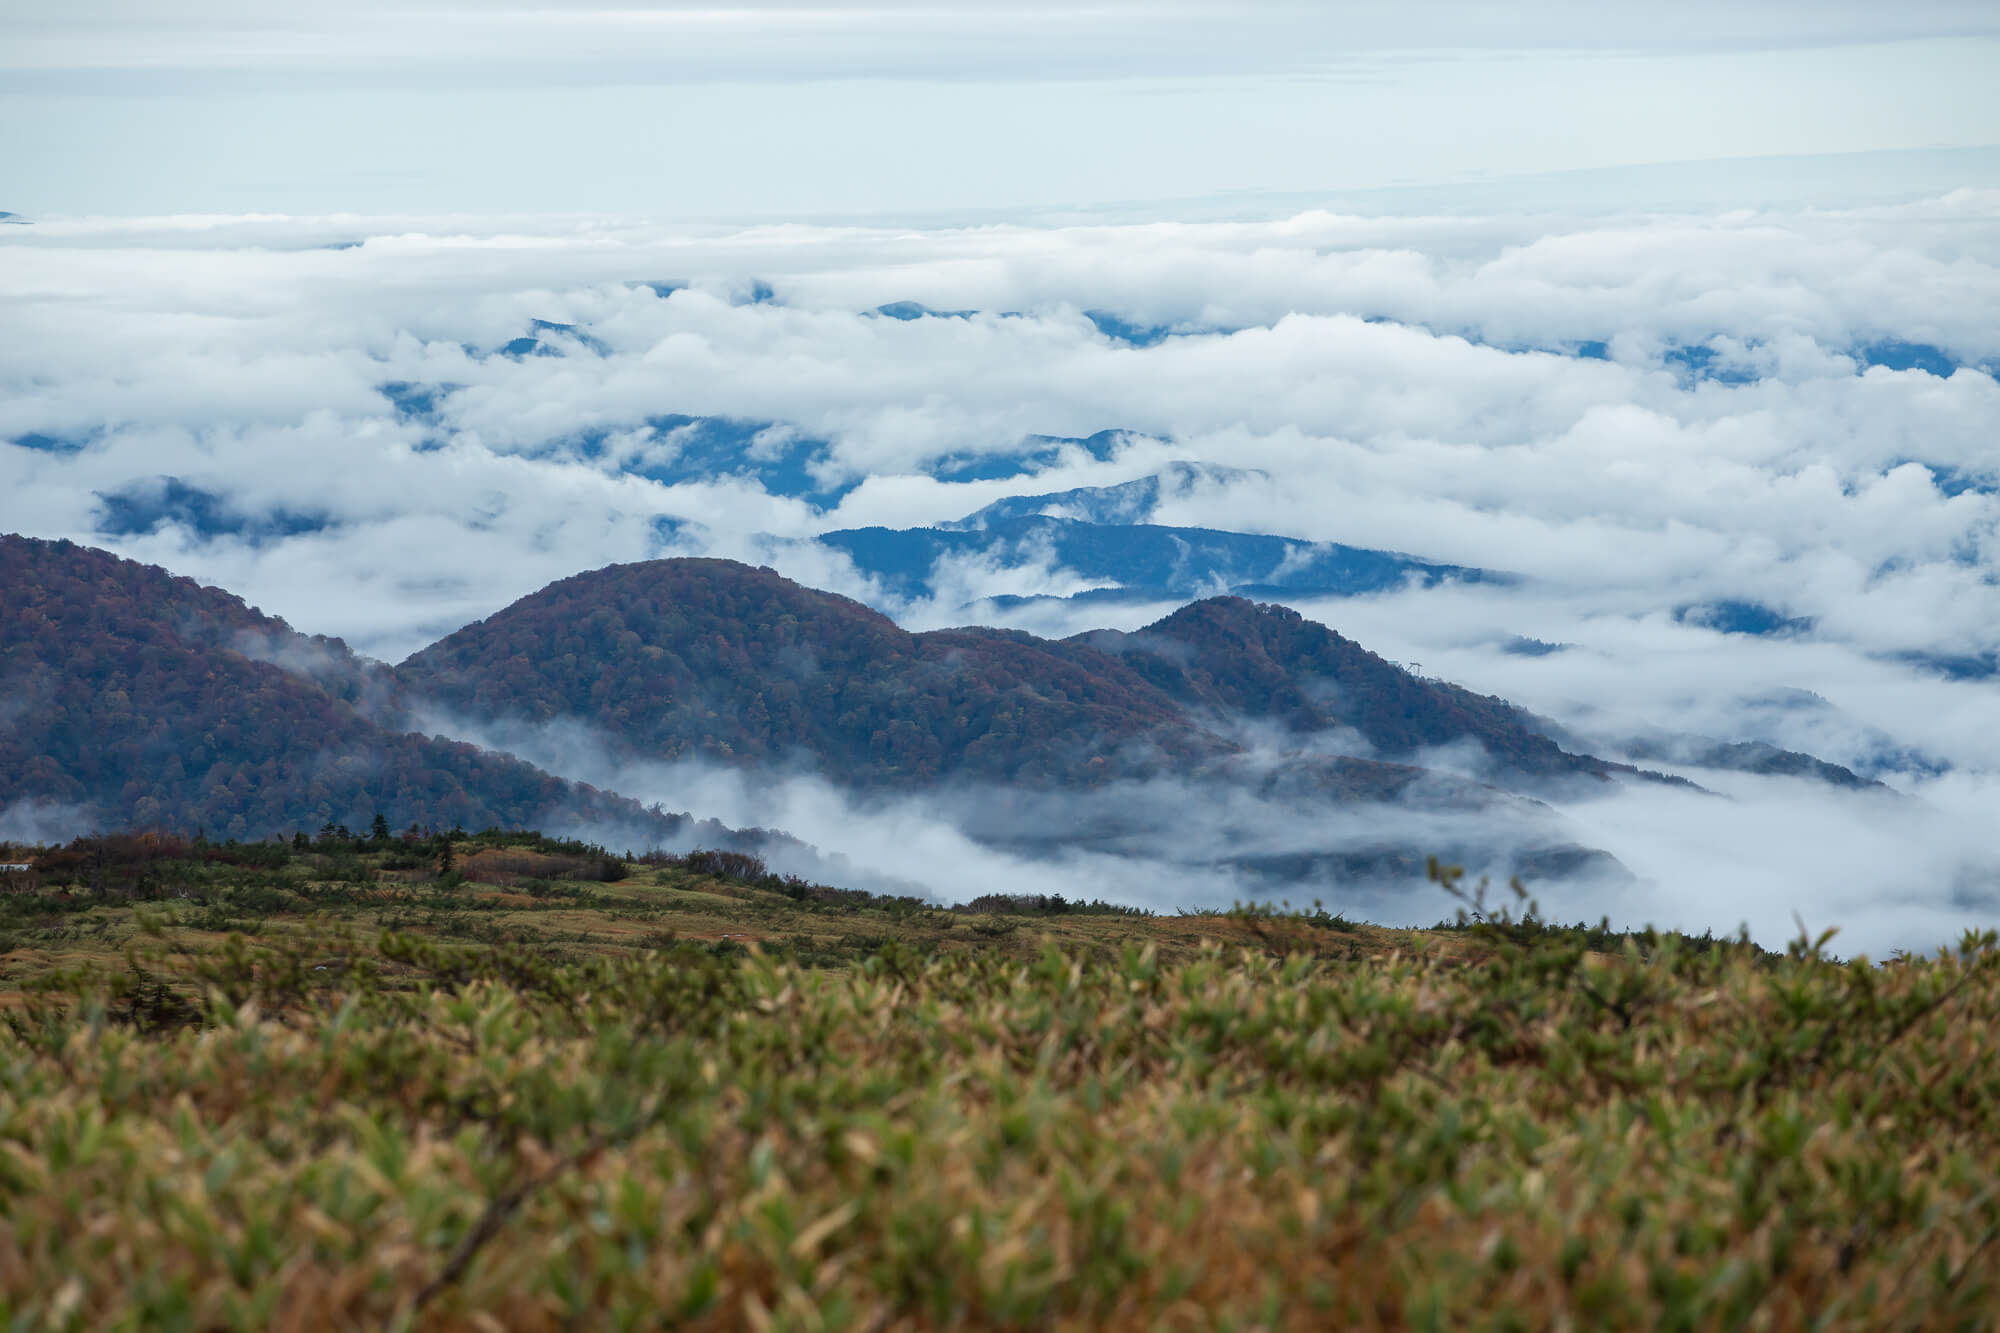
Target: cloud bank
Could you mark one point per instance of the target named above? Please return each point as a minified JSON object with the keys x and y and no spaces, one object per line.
{"x":382,"y":428}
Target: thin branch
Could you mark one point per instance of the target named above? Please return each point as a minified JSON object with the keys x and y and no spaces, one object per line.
{"x":496,"y":1216}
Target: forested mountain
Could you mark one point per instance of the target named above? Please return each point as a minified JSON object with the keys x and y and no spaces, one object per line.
{"x":1227,"y":658}
{"x":681,"y":658}
{"x":1225,"y":733}
{"x":139,"y":699}
{"x":1106,"y":536}
{"x":710,"y":658}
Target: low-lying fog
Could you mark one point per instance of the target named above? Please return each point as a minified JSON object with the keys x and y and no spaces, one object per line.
{"x":1892,"y":871}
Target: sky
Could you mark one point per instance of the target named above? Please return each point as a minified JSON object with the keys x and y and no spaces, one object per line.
{"x":1651,"y":310}
{"x":813,"y":110}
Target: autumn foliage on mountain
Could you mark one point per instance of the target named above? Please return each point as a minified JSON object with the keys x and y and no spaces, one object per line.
{"x":714,"y":659}
{"x":710,"y":658}
{"x":138,"y":699}
{"x":1227,"y":657}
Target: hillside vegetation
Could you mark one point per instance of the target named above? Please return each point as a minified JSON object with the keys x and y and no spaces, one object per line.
{"x":710,"y":658}
{"x":677,"y":658}
{"x":331,"y":1085}
{"x":133,"y":698}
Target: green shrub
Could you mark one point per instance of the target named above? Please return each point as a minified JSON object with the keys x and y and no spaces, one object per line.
{"x":1515,"y":1129}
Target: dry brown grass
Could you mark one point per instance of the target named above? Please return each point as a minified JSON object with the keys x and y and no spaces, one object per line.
{"x":1106,"y":1123}
{"x":510,"y":865}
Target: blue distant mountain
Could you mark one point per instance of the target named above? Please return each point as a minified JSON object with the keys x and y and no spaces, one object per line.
{"x":693,"y":448}
{"x":1954,"y":666}
{"x":1128,"y":502}
{"x":909,"y":310}
{"x":1955,"y":481}
{"x":1037,"y":453}
{"x":1113,"y":326}
{"x":1139,"y":561}
{"x":1895,"y":354}
{"x":1701,"y":362}
{"x":147,"y":506}
{"x":1692,"y":362}
{"x":1100,"y":535}
{"x":53,"y":444}
{"x":540,"y":340}
{"x":784,"y":463}
{"x":1121,"y":330}
{"x":417,"y":402}
{"x":710,"y":448}
{"x":1729,"y":616}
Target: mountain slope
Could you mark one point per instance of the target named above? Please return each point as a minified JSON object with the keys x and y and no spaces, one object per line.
{"x":684,"y":658}
{"x":1105,"y":536}
{"x":1229,"y":658}
{"x":1129,"y":502}
{"x":1143,"y":559}
{"x":1144,"y":750}
{"x":137,"y":698}
{"x":1757,"y":757}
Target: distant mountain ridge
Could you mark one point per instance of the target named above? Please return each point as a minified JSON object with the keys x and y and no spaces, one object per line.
{"x":1136,"y":501}
{"x":1105,"y":538}
{"x":1206,"y":737}
{"x":1229,"y":733}
{"x":708,"y":658}
{"x":1228,"y":657}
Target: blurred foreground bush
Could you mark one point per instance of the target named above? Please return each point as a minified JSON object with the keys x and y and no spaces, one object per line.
{"x":341,"y":1132}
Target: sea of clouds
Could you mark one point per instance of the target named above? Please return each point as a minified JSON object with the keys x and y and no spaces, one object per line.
{"x":1636,"y":415}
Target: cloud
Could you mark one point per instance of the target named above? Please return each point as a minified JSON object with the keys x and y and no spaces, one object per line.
{"x":1163,"y":844}
{"x":43,"y":822}
{"x":1391,"y":390}
{"x":1384,"y":374}
{"x":1892,"y":872}
{"x":1636,"y":415}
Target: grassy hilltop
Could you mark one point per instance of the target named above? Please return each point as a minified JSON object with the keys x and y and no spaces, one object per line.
{"x":329,"y":1086}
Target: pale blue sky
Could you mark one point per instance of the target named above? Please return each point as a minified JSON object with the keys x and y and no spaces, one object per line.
{"x":676,"y":110}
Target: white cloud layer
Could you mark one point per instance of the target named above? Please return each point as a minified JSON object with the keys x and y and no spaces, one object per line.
{"x":1413,"y":383}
